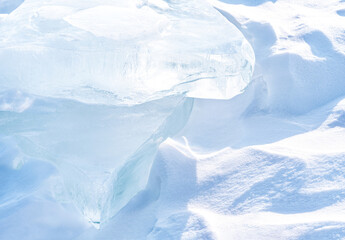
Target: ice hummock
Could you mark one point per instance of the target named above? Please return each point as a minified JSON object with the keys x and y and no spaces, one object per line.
{"x":95,"y":86}
{"x":103,"y":152}
{"x":118,"y":52}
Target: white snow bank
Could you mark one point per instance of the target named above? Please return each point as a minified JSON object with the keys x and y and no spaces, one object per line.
{"x":299,"y":48}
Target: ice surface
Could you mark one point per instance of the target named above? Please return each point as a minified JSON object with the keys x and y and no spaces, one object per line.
{"x":95,"y":86}
{"x":104,"y":153}
{"x":246,"y":168}
{"x":117,"y":52}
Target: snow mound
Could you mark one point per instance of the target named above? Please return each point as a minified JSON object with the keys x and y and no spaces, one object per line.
{"x":299,"y":49}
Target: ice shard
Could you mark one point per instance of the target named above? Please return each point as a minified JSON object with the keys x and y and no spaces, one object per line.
{"x":103,"y":152}
{"x":96,"y":86}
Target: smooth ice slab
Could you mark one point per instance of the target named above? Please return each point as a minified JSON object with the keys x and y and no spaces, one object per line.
{"x":122,"y":51}
{"x":96,"y":86}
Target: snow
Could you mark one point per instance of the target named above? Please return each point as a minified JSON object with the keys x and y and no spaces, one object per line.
{"x":268,"y":163}
{"x":7,"y":6}
{"x":299,"y":46}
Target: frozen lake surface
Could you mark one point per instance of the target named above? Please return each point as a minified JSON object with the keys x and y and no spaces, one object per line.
{"x":215,"y":151}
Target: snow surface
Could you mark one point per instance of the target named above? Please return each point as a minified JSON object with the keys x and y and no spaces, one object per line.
{"x":266,"y":164}
{"x":7,"y":6}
